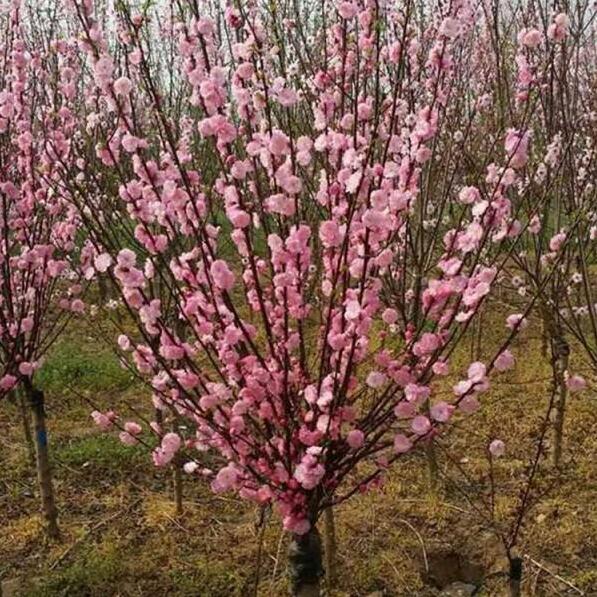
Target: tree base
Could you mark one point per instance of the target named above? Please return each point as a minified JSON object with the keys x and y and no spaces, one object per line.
{"x":305,"y":564}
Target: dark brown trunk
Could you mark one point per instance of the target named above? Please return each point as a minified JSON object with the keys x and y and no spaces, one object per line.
{"x":515,"y":577}
{"x":304,"y":564}
{"x":44,"y":471}
{"x":27,"y":428}
{"x":330,"y":548}
{"x":177,"y":482}
{"x":21,"y":402}
{"x":104,"y":293}
{"x":560,"y":356}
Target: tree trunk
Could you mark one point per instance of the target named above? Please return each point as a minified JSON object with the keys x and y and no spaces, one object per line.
{"x":330,"y":548}
{"x":432,"y":466}
{"x":560,"y":355}
{"x":21,"y":403}
{"x":44,"y":471}
{"x":544,"y":335}
{"x":304,"y":564}
{"x":26,"y":427}
{"x":515,"y":577}
{"x":561,"y":399}
{"x":103,"y":291}
{"x":263,"y":513}
{"x":177,"y":482}
{"x":477,"y":337}
{"x":560,"y":352}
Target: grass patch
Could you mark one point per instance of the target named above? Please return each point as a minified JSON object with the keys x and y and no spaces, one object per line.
{"x":92,"y":574}
{"x":209,"y":577}
{"x":83,"y":365}
{"x":105,"y":452}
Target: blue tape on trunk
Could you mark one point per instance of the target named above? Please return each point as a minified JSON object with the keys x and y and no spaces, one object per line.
{"x":42,"y":438}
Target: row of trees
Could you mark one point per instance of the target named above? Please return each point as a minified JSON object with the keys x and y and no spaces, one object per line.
{"x":303,"y":208}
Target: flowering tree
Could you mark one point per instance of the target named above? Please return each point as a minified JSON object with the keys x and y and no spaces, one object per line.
{"x":37,"y":230}
{"x":302,"y":219}
{"x":562,"y":172}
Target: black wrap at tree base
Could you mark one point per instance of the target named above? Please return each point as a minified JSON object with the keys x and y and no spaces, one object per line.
{"x":305,"y":563}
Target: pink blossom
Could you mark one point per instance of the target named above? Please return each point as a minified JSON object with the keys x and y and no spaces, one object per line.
{"x":127,"y":439}
{"x":221,"y":274}
{"x":504,"y":361}
{"x":355,"y":438}
{"x":294,"y":524}
{"x":329,"y":233}
{"x":171,"y":442}
{"x":516,"y":320}
{"x":575,"y":383}
{"x":279,"y":143}
{"x":353,"y":309}
{"x":77,"y":306}
{"x":102,"y":262}
{"x":309,"y":472}
{"x":558,"y":30}
{"x":132,"y":428}
{"x":416,"y":393}
{"x":225,"y":480}
{"x":469,"y":195}
{"x":450,"y":27}
{"x":103,"y":420}
{"x":190,"y":467}
{"x":126,"y":258}
{"x":402,"y":444}
{"x":469,"y":404}
{"x":517,"y":147}
{"x":7,"y":382}
{"x":421,"y":425}
{"x":239,"y":218}
{"x":557,"y":241}
{"x":123,"y":86}
{"x":26,"y":368}
{"x":477,"y":372}
{"x":123,"y":342}
{"x":532,"y":38}
{"x":103,"y":70}
{"x":463,"y":387}
{"x":440,"y":368}
{"x":428,"y":344}
{"x":497,"y":448}
{"x":347,"y":10}
{"x":405,"y":410}
{"x":281,"y":204}
{"x":375,"y":379}
{"x":441,"y":411}
{"x":390,"y":316}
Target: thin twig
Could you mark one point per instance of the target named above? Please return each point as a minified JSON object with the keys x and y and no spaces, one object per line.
{"x":276,"y":561}
{"x":385,"y":557}
{"x":421,"y":541}
{"x":562,"y":580}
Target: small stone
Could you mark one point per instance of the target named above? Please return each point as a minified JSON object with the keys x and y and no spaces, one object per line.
{"x":459,"y":589}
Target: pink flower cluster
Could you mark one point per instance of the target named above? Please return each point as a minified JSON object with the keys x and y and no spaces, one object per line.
{"x":298,"y":248}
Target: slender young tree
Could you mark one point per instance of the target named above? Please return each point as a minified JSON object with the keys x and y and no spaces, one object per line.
{"x":38,"y":289}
